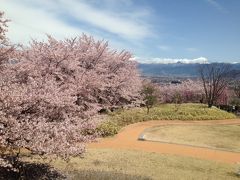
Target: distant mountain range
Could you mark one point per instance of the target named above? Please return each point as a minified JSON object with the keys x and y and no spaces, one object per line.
{"x":179,"y":69}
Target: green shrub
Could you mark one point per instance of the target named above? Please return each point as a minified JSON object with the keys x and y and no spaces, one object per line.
{"x":108,"y":128}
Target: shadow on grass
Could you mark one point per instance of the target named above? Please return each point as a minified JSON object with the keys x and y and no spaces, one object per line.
{"x":103,"y":175}
{"x":30,"y":171}
{"x":234,"y":174}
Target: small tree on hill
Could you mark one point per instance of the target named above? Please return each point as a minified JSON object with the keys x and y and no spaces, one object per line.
{"x":177,"y":100}
{"x":149,"y":95}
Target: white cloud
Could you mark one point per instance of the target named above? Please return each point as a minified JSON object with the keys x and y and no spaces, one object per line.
{"x":191,"y":49}
{"x":201,"y":60}
{"x":113,"y":22}
{"x":235,"y":62}
{"x":27,"y":23}
{"x":35,"y":19}
{"x":112,"y":3}
{"x":164,"y":48}
{"x":216,"y":5}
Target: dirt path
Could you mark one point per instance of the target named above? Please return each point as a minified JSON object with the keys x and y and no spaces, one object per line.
{"x":128,"y":139}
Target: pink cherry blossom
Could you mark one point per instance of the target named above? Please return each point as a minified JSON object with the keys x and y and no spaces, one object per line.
{"x":51,"y":91}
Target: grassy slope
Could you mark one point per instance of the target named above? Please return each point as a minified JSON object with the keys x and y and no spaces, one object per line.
{"x":121,"y":164}
{"x":170,"y":112}
{"x":100,"y":164}
{"x":225,"y":137}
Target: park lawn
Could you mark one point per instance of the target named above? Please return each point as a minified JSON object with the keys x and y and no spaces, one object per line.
{"x":101,"y":164}
{"x":187,"y":111}
{"x":223,"y":137}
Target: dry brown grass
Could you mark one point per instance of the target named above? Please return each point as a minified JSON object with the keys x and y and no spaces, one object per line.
{"x":224,"y":137}
{"x":102,"y":164}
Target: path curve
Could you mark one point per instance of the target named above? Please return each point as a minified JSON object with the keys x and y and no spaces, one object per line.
{"x":127,"y":138}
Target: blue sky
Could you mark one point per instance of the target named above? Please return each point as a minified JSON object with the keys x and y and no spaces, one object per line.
{"x":153,"y":30}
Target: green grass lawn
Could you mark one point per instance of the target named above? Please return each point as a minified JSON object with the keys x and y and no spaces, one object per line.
{"x":224,"y":137}
{"x":101,"y":164}
{"x":187,"y":111}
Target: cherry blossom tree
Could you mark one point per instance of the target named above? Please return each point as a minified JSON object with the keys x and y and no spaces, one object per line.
{"x":5,"y":47}
{"x":51,"y":90}
{"x":187,"y":91}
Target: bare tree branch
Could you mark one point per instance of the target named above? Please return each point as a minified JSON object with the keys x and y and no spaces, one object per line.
{"x":215,"y":80}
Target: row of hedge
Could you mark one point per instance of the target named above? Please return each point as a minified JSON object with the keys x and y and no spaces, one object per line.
{"x":230,"y":108}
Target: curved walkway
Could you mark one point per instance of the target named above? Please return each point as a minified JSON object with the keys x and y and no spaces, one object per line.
{"x":127,"y":138}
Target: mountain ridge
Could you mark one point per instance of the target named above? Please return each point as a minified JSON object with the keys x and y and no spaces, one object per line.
{"x":180,"y":69}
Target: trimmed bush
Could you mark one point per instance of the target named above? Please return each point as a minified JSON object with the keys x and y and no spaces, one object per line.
{"x":108,"y":128}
